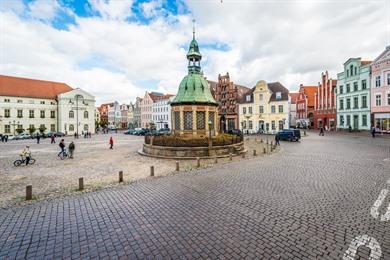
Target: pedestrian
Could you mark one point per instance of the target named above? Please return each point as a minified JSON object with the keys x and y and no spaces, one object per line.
{"x":90,"y":134}
{"x":2,"y":138}
{"x":277,"y":139}
{"x":321,"y":131}
{"x":373,"y":132}
{"x":111,"y":143}
{"x":53,"y":139}
{"x":75,"y":135}
{"x":350,"y":129}
{"x":26,"y":153}
{"x":62,"y":146}
{"x":38,"y":138}
{"x":71,"y":149}
{"x":6,"y":138}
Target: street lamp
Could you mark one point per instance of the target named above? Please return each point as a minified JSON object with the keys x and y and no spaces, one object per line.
{"x":210,"y":123}
{"x":77,"y":97}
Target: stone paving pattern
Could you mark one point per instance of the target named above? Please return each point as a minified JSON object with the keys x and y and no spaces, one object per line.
{"x":307,"y":202}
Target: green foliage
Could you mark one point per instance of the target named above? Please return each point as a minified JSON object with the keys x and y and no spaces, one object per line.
{"x":19,"y":130}
{"x":179,"y":141}
{"x":42,"y":129}
{"x":31,"y":129}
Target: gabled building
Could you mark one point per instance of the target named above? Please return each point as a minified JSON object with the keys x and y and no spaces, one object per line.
{"x":293,"y":109}
{"x":227,"y":94}
{"x":147,"y":109}
{"x":124,"y":120}
{"x":325,"y":103}
{"x":353,"y":95}
{"x":162,"y":111}
{"x":305,"y":106}
{"x":137,"y":113}
{"x":380,"y":91}
{"x":265,"y":108}
{"x":114,"y":114}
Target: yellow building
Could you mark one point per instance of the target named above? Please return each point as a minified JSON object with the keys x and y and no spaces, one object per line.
{"x":265,"y":108}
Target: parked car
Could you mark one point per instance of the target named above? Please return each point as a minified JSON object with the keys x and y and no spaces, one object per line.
{"x":142,"y":131}
{"x":129,"y":132}
{"x":57,"y":134}
{"x":235,"y":132}
{"x":163,"y":131}
{"x":152,"y":132}
{"x":23,"y":136}
{"x":289,"y":135}
{"x":112,"y":127}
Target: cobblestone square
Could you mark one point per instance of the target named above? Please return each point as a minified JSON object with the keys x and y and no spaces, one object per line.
{"x":312,"y":200}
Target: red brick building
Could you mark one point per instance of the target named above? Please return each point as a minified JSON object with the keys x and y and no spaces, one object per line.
{"x":305,"y":106}
{"x":227,"y":94}
{"x":325,"y":103}
{"x":103,"y":110}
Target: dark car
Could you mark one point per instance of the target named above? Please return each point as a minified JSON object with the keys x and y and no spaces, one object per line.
{"x":56,"y":134}
{"x":235,"y":132}
{"x":152,"y":132}
{"x":289,"y":135}
{"x":142,"y":131}
{"x":163,"y":131}
{"x":130,"y":132}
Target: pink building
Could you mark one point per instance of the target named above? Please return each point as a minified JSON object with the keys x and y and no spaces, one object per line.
{"x":380,"y":91}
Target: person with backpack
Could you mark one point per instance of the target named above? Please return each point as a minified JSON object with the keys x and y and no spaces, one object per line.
{"x":71,"y":148}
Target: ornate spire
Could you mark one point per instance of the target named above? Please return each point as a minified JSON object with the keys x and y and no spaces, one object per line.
{"x":193,"y":29}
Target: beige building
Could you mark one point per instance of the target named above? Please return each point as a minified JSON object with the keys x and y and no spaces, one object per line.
{"x":265,"y":108}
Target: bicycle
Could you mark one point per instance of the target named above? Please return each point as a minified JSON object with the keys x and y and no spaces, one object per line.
{"x":23,"y":159}
{"x":63,"y":155}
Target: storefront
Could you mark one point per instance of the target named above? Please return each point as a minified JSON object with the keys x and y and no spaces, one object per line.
{"x":382,"y":122}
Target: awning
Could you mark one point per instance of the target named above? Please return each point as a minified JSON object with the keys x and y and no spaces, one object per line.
{"x":381,"y":115}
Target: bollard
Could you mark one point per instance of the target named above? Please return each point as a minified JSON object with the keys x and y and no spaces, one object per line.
{"x":152,"y":171}
{"x":261,"y":140}
{"x":216,"y":159}
{"x":254,"y":152}
{"x":272,"y":143}
{"x":177,"y":166}
{"x":230,"y":157}
{"x":81,"y":183}
{"x":29,"y":192}
{"x":120,"y":176}
{"x":267,"y":140}
{"x":243,"y":155}
{"x":264,"y":150}
{"x":197,"y":162}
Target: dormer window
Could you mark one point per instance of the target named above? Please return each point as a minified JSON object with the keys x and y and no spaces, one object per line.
{"x":278,"y":95}
{"x":248,"y":98}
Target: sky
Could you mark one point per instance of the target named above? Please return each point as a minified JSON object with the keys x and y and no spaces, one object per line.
{"x":118,"y":49}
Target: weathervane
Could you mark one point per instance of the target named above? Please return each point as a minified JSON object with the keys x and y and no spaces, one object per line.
{"x":193,"y":28}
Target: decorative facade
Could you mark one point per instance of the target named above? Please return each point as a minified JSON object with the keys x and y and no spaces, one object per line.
{"x":380,"y":91}
{"x":162,"y":111}
{"x":325,"y":103}
{"x":29,"y":105}
{"x":137,"y":113}
{"x":305,"y":106}
{"x":265,"y":108}
{"x":353,"y":95}
{"x":227,"y":94}
{"x":194,"y":110}
{"x":293,"y":109}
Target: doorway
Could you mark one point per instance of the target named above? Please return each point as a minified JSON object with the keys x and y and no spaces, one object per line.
{"x":355,"y":122}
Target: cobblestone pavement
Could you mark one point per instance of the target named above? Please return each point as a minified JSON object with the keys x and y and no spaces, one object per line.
{"x":311,"y":201}
{"x":99,"y":166}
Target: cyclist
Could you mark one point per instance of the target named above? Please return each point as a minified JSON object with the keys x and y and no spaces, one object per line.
{"x":62,"y":146}
{"x":26,"y":153}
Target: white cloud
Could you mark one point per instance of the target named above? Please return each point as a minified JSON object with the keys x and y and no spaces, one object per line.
{"x":44,"y":9}
{"x":115,"y":9}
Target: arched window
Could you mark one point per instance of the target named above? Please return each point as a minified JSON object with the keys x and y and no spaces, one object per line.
{"x":85,"y":127}
{"x":85,"y":114}
{"x":71,"y":114}
{"x":71,"y":128}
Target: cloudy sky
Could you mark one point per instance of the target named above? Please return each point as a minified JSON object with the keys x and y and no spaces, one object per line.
{"x":118,"y":49}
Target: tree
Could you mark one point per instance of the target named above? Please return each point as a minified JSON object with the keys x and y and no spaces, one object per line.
{"x":31,"y":129}
{"x":42,"y":129}
{"x":19,"y":130}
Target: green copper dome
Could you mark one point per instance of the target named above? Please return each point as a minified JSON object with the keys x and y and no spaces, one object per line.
{"x":194,"y":89}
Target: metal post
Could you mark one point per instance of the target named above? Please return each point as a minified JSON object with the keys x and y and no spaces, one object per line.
{"x":264,"y":150}
{"x":29,"y":192}
{"x":152,"y":171}
{"x":120,"y":176}
{"x":81,"y":183}
{"x":254,"y":152}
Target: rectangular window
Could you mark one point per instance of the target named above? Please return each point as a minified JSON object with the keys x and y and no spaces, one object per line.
{"x":341,"y":104}
{"x":250,"y":110}
{"x":31,"y":113}
{"x":43,"y":127}
{"x":377,"y":81}
{"x":42,"y":102}
{"x":364,"y":120}
{"x":211,"y":118}
{"x":52,"y":114}
{"x":42,"y":113}
{"x":244,"y":110}
{"x":388,"y":99}
{"x":378,"y":100}
{"x":31,"y":127}
{"x":7,"y":100}
{"x":261,"y":96}
{"x":248,"y":98}
{"x":280,"y":108}
{"x":250,"y":124}
{"x":347,"y":73}
{"x":177,"y":120}
{"x":20,"y":101}
{"x":20,"y":113}
{"x":52,"y":127}
{"x":348,"y":89}
{"x":273,"y":125}
{"x":272,"y":109}
{"x":7,"y":113}
{"x":348,"y":120}
{"x":7,"y":129}
{"x":341,"y":89}
{"x":261,"y":109}
{"x":188,"y":120}
{"x":200,"y":120}
{"x":341,"y":120}
{"x":364,"y":84}
{"x":355,"y":86}
{"x":364,"y":101}
{"x":348,"y":103}
{"x":388,"y":79}
{"x":356,"y":102}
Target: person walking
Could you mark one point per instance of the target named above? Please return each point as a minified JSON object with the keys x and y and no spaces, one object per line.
{"x":75,"y":135}
{"x":277,"y":139}
{"x":71,"y":148}
{"x":321,"y":131}
{"x":373,"y":131}
{"x":53,"y":139}
{"x":62,"y":146}
{"x":26,"y":153}
{"x":38,"y":138}
{"x":111,"y":143}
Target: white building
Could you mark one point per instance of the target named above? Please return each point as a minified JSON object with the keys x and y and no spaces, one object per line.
{"x":162,"y":111}
{"x":114,"y":114}
{"x":28,"y":104}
